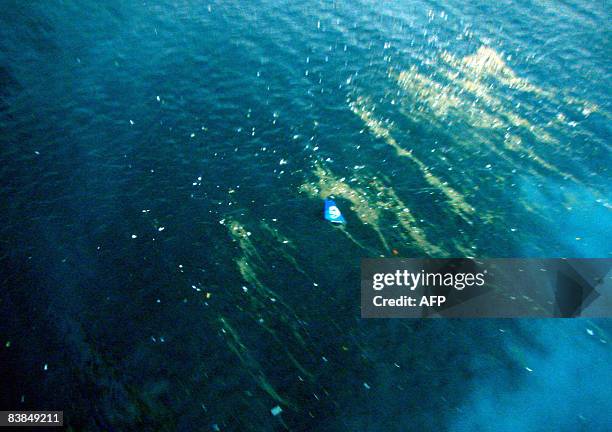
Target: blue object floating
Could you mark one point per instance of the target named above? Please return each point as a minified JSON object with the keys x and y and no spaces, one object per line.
{"x":332,"y":212}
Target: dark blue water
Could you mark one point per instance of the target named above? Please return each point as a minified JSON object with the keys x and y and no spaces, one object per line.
{"x":164,"y":265}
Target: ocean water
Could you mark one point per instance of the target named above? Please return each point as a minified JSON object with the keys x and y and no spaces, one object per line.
{"x":163,"y":260}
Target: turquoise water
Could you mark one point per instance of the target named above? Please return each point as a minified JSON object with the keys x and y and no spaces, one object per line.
{"x":162,"y":246}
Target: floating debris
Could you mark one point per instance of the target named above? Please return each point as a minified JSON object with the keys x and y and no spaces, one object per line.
{"x":332,"y":212}
{"x":276,"y":410}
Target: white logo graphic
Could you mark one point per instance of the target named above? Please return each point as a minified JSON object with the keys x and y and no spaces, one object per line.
{"x":334,"y":212}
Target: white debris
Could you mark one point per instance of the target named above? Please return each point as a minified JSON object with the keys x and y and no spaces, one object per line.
{"x":131,"y":122}
{"x":528,"y":369}
{"x":276,"y":410}
{"x":590,"y":332}
{"x":134,"y":236}
{"x":161,"y":228}
{"x":366,"y":385}
{"x":46,"y":366}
